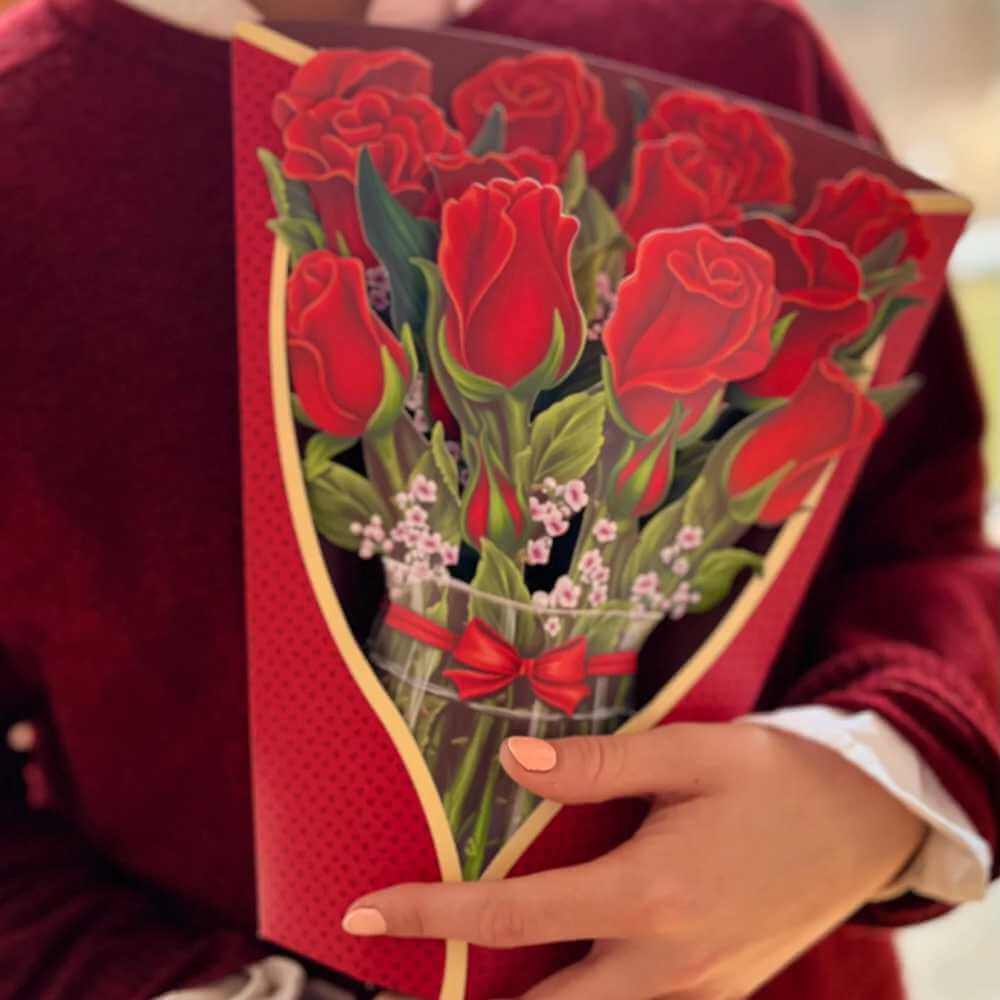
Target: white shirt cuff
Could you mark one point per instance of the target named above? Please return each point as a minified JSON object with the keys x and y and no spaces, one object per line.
{"x":954,"y":863}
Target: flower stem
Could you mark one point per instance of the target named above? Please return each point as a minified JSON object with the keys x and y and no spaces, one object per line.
{"x":475,"y":846}
{"x":458,"y":791}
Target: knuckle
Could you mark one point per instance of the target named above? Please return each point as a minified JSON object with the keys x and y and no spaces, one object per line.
{"x":501,"y":924}
{"x":602,"y":760}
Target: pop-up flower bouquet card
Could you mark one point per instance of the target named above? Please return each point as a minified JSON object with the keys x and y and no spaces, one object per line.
{"x":556,"y":375}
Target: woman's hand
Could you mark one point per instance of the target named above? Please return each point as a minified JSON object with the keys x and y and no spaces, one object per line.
{"x":757,"y":844}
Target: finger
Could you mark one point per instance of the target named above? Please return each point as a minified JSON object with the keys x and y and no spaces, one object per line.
{"x":593,"y":900}
{"x":676,"y":760}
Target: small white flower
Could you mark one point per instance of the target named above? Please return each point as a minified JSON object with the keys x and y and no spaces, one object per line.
{"x":605,"y":530}
{"x":575,"y":494}
{"x":449,"y":553}
{"x":598,"y":595}
{"x":566,"y":594}
{"x":356,"y":527}
{"x":550,"y":485}
{"x":424,"y":490}
{"x":553,"y":625}
{"x":590,"y":562}
{"x":540,"y":511}
{"x":689,"y":537}
{"x":538,"y":551}
{"x":600,"y":575}
{"x":429,"y":544}
{"x":680,"y":566}
{"x":420,"y":571}
{"x":540,"y":600}
{"x":645,"y":583}
{"x":416,"y":516}
{"x":387,"y":546}
{"x":401,"y":500}
{"x":695,"y":597}
{"x":668,"y":554}
{"x":677,"y":612}
{"x":366,"y":549}
{"x":557,"y":525}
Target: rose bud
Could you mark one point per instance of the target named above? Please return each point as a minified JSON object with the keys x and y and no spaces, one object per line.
{"x":346,"y":365}
{"x":511,"y":318}
{"x":864,"y":211}
{"x":792,"y":446}
{"x":343,"y":72}
{"x":695,"y":313}
{"x":819,"y":282}
{"x":491,"y":507}
{"x":322,"y":145}
{"x":553,"y":103}
{"x":641,"y":478}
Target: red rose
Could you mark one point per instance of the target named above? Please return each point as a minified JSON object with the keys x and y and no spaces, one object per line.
{"x":676,"y":182}
{"x":505,"y":266}
{"x":740,"y":140}
{"x":338,"y":348}
{"x":826,"y":417}
{"x":322,"y":146}
{"x":822,"y":284}
{"x":695,"y":313}
{"x":454,"y":174}
{"x":553,"y":102}
{"x":491,"y":507}
{"x":862,"y":211}
{"x":343,"y":72}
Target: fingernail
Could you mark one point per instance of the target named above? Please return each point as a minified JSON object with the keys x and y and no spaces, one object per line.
{"x":365,"y":921}
{"x":532,"y":754}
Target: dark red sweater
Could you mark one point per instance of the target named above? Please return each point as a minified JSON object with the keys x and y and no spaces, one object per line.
{"x":121,"y":615}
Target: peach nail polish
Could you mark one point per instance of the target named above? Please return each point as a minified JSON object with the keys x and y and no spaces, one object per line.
{"x":532,"y":754}
{"x":365,"y":921}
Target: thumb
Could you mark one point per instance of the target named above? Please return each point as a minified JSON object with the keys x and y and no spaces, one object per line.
{"x":674,"y":760}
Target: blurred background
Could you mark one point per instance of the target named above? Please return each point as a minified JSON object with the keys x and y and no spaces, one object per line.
{"x":930,"y":69}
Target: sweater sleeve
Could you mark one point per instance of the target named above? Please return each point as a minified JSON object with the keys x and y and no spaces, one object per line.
{"x":903,"y":620}
{"x":71,"y":923}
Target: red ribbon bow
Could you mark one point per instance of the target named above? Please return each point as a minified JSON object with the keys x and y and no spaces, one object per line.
{"x":558,"y":676}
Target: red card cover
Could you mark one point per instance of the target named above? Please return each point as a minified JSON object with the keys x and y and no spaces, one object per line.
{"x":337,"y":808}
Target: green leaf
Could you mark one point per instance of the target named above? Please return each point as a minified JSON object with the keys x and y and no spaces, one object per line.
{"x":497,"y":575}
{"x":320,"y":451}
{"x":715,"y":576}
{"x":339,"y":498}
{"x":473,"y":387}
{"x":393,"y":394}
{"x":887,"y":311}
{"x":659,"y":531}
{"x":492,"y":134}
{"x":567,"y":438}
{"x":443,"y":460}
{"x":584,"y":376}
{"x":638,"y":101}
{"x":746,"y":507}
{"x":574,"y":183}
{"x":885,"y":255}
{"x":397,"y":237}
{"x":297,"y":223}
{"x":300,"y":235}
{"x":599,"y":240}
{"x":605,"y":631}
{"x":444,"y":514}
{"x":892,"y":398}
{"x":780,"y":330}
{"x":300,"y":415}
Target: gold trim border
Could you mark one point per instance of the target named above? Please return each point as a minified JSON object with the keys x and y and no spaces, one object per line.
{"x":456,"y":952}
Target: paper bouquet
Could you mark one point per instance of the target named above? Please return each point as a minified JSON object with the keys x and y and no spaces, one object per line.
{"x":562,"y":372}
